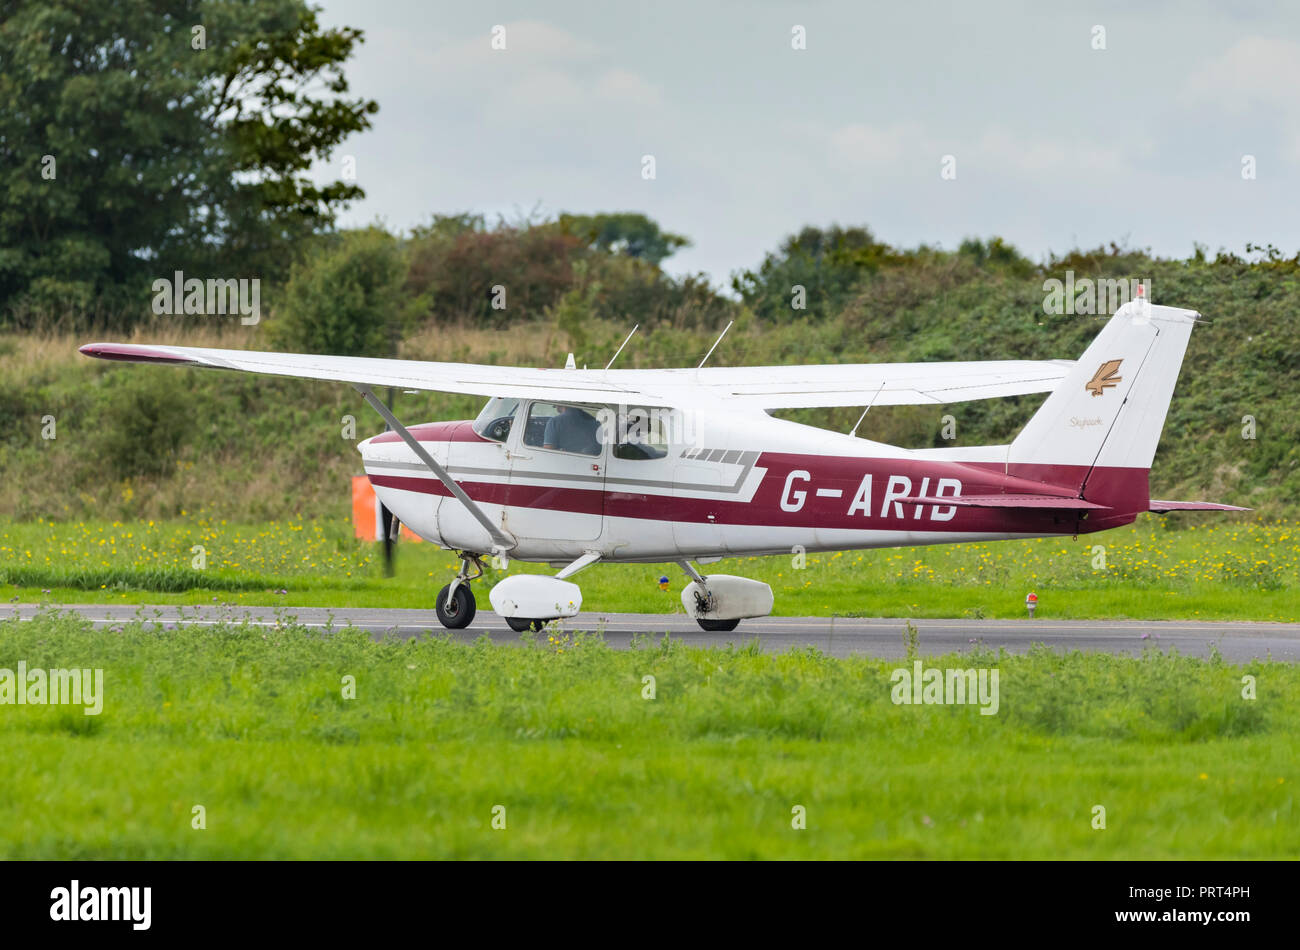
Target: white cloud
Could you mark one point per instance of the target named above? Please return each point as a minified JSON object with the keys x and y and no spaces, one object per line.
{"x":627,"y":88}
{"x":1046,"y":153}
{"x":545,"y":77}
{"x":857,"y":146}
{"x":896,"y":147}
{"x":1254,"y":71}
{"x":529,"y":44}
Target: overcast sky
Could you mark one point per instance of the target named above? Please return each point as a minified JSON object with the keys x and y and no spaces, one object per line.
{"x":1056,"y":144}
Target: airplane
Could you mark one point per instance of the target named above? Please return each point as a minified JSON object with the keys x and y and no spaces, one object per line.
{"x":575,"y":466}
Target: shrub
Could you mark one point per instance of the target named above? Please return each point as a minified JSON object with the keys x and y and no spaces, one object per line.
{"x":346,"y":298}
{"x":142,"y":422}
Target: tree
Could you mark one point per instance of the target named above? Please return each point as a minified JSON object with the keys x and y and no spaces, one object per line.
{"x":996,"y":255}
{"x":346,"y":298}
{"x":496,"y":275}
{"x":625,"y":232}
{"x":145,"y":136}
{"x":827,"y":263}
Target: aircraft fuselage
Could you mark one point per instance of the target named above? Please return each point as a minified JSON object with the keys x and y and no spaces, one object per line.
{"x":743,"y":485}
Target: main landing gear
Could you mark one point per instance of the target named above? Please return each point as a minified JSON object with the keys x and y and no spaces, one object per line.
{"x":721,"y":626}
{"x":719,"y":602}
{"x":455,"y":603}
{"x":520,"y":624}
{"x":704,"y":602}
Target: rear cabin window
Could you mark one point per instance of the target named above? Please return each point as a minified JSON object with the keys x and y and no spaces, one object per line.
{"x":641,"y":436}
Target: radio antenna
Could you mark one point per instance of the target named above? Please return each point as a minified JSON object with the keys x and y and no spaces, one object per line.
{"x":854,"y":431}
{"x":715,"y":345}
{"x":620,"y":349}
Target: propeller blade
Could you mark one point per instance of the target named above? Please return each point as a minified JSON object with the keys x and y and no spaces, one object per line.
{"x":390,"y":526}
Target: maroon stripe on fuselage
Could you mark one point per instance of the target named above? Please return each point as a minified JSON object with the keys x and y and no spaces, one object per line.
{"x":459,"y":431}
{"x":548,"y":497}
{"x":1123,"y":490}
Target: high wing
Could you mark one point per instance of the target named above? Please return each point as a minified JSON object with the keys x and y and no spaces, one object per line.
{"x":743,"y":388}
{"x":468,"y":378}
{"x":875,"y":384}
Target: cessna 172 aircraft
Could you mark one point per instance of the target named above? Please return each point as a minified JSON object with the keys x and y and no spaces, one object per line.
{"x":574,"y":466}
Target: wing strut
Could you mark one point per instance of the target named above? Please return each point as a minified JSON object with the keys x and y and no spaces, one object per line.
{"x":503,"y":541}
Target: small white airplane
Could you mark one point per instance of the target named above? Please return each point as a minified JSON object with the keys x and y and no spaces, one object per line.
{"x":574,"y":466}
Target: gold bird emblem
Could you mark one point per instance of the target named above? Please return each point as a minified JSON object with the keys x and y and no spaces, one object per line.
{"x":1104,"y":378}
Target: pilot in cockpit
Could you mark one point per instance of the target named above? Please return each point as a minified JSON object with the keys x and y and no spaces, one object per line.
{"x":572,"y":430}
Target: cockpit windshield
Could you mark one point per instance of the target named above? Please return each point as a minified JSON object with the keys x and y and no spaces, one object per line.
{"x":495,"y":419}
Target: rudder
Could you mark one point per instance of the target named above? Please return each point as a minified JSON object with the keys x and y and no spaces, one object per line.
{"x":1101,"y":425}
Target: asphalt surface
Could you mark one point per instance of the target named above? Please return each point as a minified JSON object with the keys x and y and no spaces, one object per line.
{"x":838,"y":636}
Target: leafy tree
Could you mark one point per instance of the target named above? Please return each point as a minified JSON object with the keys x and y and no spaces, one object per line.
{"x":144,"y":136}
{"x":449,"y":226}
{"x":825,"y":263}
{"x":996,"y":255}
{"x":611,"y":260}
{"x":624,"y":232}
{"x":347,"y":298}
{"x":456,"y":262}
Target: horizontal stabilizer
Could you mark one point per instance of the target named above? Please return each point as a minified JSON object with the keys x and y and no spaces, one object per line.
{"x":1003,"y":501}
{"x":1192,"y":506}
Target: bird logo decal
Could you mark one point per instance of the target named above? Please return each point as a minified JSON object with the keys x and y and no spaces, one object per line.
{"x":1104,"y":378}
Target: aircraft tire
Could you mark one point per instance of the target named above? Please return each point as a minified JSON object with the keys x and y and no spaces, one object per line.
{"x":520,"y":624}
{"x":718,"y":626}
{"x":459,"y":613}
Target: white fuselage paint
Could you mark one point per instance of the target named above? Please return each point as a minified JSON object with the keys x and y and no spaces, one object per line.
{"x":625,"y":509}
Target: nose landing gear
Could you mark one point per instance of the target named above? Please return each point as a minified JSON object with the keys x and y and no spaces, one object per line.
{"x":455,"y":603}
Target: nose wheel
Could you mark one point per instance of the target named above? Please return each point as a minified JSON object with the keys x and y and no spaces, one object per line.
{"x":456,"y":608}
{"x":455,"y":604}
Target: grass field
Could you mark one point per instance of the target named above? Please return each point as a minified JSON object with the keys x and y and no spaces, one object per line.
{"x":252,"y":725}
{"x":1216,"y":568}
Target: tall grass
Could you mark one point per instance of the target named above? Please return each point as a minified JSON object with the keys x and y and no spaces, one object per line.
{"x":254,"y":724}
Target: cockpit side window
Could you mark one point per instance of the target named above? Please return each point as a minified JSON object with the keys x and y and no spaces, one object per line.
{"x":563,"y":428}
{"x":496,"y":418}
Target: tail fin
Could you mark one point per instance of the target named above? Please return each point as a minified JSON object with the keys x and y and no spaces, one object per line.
{"x":1101,"y":425}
